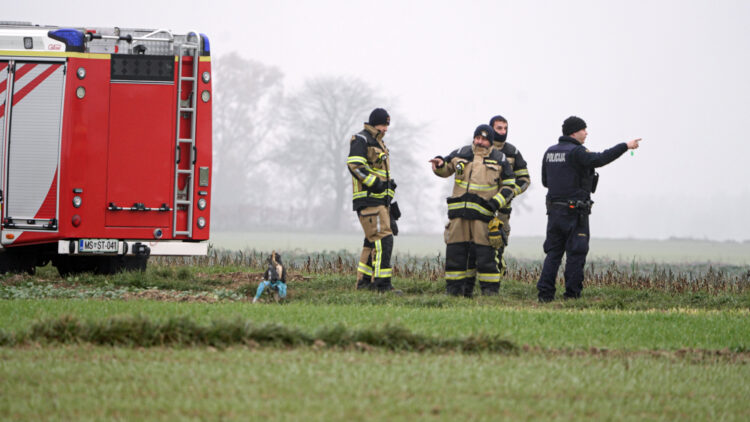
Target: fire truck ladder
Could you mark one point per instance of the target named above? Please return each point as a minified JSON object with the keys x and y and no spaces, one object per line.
{"x":184,"y":198}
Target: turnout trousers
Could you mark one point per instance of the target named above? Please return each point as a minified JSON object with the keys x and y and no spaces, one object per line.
{"x":468,"y":257}
{"x":567,"y":233}
{"x":502,"y":268}
{"x":374,"y":269}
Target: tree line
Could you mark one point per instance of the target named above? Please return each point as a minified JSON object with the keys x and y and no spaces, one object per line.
{"x":280,"y":157}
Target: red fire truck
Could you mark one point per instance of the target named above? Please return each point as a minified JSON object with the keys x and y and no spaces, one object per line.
{"x":105,"y":147}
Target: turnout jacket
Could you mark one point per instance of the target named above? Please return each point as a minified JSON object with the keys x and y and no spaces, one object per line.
{"x":484,"y":182}
{"x":568,"y":169}
{"x":519,"y":165}
{"x":370,"y":164}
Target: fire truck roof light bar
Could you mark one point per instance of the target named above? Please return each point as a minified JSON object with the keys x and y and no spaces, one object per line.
{"x":72,"y":38}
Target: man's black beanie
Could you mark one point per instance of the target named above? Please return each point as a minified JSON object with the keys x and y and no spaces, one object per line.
{"x":496,"y":118}
{"x":379,"y":117}
{"x":572,"y":125}
{"x":485,"y":131}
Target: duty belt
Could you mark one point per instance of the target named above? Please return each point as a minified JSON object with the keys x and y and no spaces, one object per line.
{"x":574,"y":204}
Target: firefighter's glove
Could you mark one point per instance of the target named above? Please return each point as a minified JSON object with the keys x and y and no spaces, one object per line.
{"x":497,"y":235}
{"x":395,"y":211}
{"x":378,"y":186}
{"x":460,"y":168}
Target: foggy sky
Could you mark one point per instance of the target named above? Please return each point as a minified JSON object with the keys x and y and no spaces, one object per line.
{"x":675,"y":73}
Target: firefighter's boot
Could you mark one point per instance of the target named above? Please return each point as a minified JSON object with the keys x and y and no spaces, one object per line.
{"x":454,"y":287}
{"x":365,"y":283}
{"x":489,"y":289}
{"x":469,"y":287}
{"x":383,"y":284}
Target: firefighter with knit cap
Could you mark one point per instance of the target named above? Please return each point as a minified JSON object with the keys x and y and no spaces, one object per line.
{"x":520,"y":172}
{"x":483,"y":184}
{"x":373,"y":191}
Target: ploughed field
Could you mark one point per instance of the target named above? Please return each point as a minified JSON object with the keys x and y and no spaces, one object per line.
{"x":649,"y":340}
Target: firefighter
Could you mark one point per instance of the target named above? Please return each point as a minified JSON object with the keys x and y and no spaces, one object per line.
{"x":521,"y":173}
{"x":373,"y":190}
{"x":569,"y":176}
{"x":483,"y":184}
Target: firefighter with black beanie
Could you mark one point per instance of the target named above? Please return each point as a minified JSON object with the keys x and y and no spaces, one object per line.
{"x":373,"y":191}
{"x":520,"y":172}
{"x":483,"y":184}
{"x":569,"y":176}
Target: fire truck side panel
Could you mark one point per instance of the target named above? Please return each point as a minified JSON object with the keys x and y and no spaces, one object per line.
{"x":83,"y":164}
{"x":203,"y":160}
{"x":3,"y":99}
{"x":140,"y":166}
{"x":32,"y":147}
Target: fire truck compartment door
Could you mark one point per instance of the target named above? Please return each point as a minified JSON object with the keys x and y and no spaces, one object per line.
{"x":33,"y":144}
{"x":140,"y":168}
{"x":3,"y":99}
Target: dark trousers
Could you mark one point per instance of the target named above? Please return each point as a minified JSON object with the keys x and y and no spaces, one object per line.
{"x":567,"y":233}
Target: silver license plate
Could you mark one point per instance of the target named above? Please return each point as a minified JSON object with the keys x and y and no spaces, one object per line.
{"x":98,"y":245}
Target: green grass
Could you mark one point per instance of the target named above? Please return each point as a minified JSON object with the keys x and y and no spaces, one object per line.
{"x":539,"y":327}
{"x":102,"y":383}
{"x":641,"y":344}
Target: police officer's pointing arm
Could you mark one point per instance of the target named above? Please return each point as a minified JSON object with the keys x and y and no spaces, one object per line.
{"x":586,"y":158}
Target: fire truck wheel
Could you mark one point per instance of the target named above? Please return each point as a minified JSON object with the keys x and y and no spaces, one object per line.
{"x":12,"y":262}
{"x":135,"y":263}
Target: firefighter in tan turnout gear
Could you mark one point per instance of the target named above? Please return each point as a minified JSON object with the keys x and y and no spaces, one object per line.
{"x":373,"y":190}
{"x":484,"y":184}
{"x":520,"y":172}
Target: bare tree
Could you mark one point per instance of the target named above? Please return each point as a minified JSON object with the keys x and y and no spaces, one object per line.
{"x":323,"y":116}
{"x":247,"y":96}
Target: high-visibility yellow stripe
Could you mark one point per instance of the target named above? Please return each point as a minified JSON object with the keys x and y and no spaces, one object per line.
{"x":369,"y":180}
{"x":364,"y":269}
{"x":489,"y":277}
{"x":500,"y":199}
{"x":474,"y":186}
{"x":457,"y":275}
{"x":509,"y":182}
{"x":479,"y":208}
{"x":522,"y":172}
{"x":356,"y":159}
{"x":378,"y":172}
{"x":55,"y":54}
{"x":476,"y":207}
{"x":358,"y":195}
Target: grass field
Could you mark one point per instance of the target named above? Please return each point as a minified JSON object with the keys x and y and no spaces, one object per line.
{"x":184,"y":342}
{"x":103,"y":383}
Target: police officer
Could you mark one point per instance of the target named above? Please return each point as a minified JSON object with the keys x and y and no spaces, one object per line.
{"x":568,"y":174}
{"x":483,"y":184}
{"x":520,"y":171}
{"x":373,"y":190}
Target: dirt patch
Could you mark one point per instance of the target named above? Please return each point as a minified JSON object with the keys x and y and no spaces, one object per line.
{"x":237,"y":279}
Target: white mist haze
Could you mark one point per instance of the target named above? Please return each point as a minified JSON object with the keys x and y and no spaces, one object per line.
{"x":674,"y":73}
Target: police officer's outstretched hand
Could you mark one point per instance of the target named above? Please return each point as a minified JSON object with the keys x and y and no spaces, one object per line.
{"x":633,"y":144}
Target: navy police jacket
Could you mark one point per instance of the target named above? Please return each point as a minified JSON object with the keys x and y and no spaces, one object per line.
{"x":568,"y":169}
